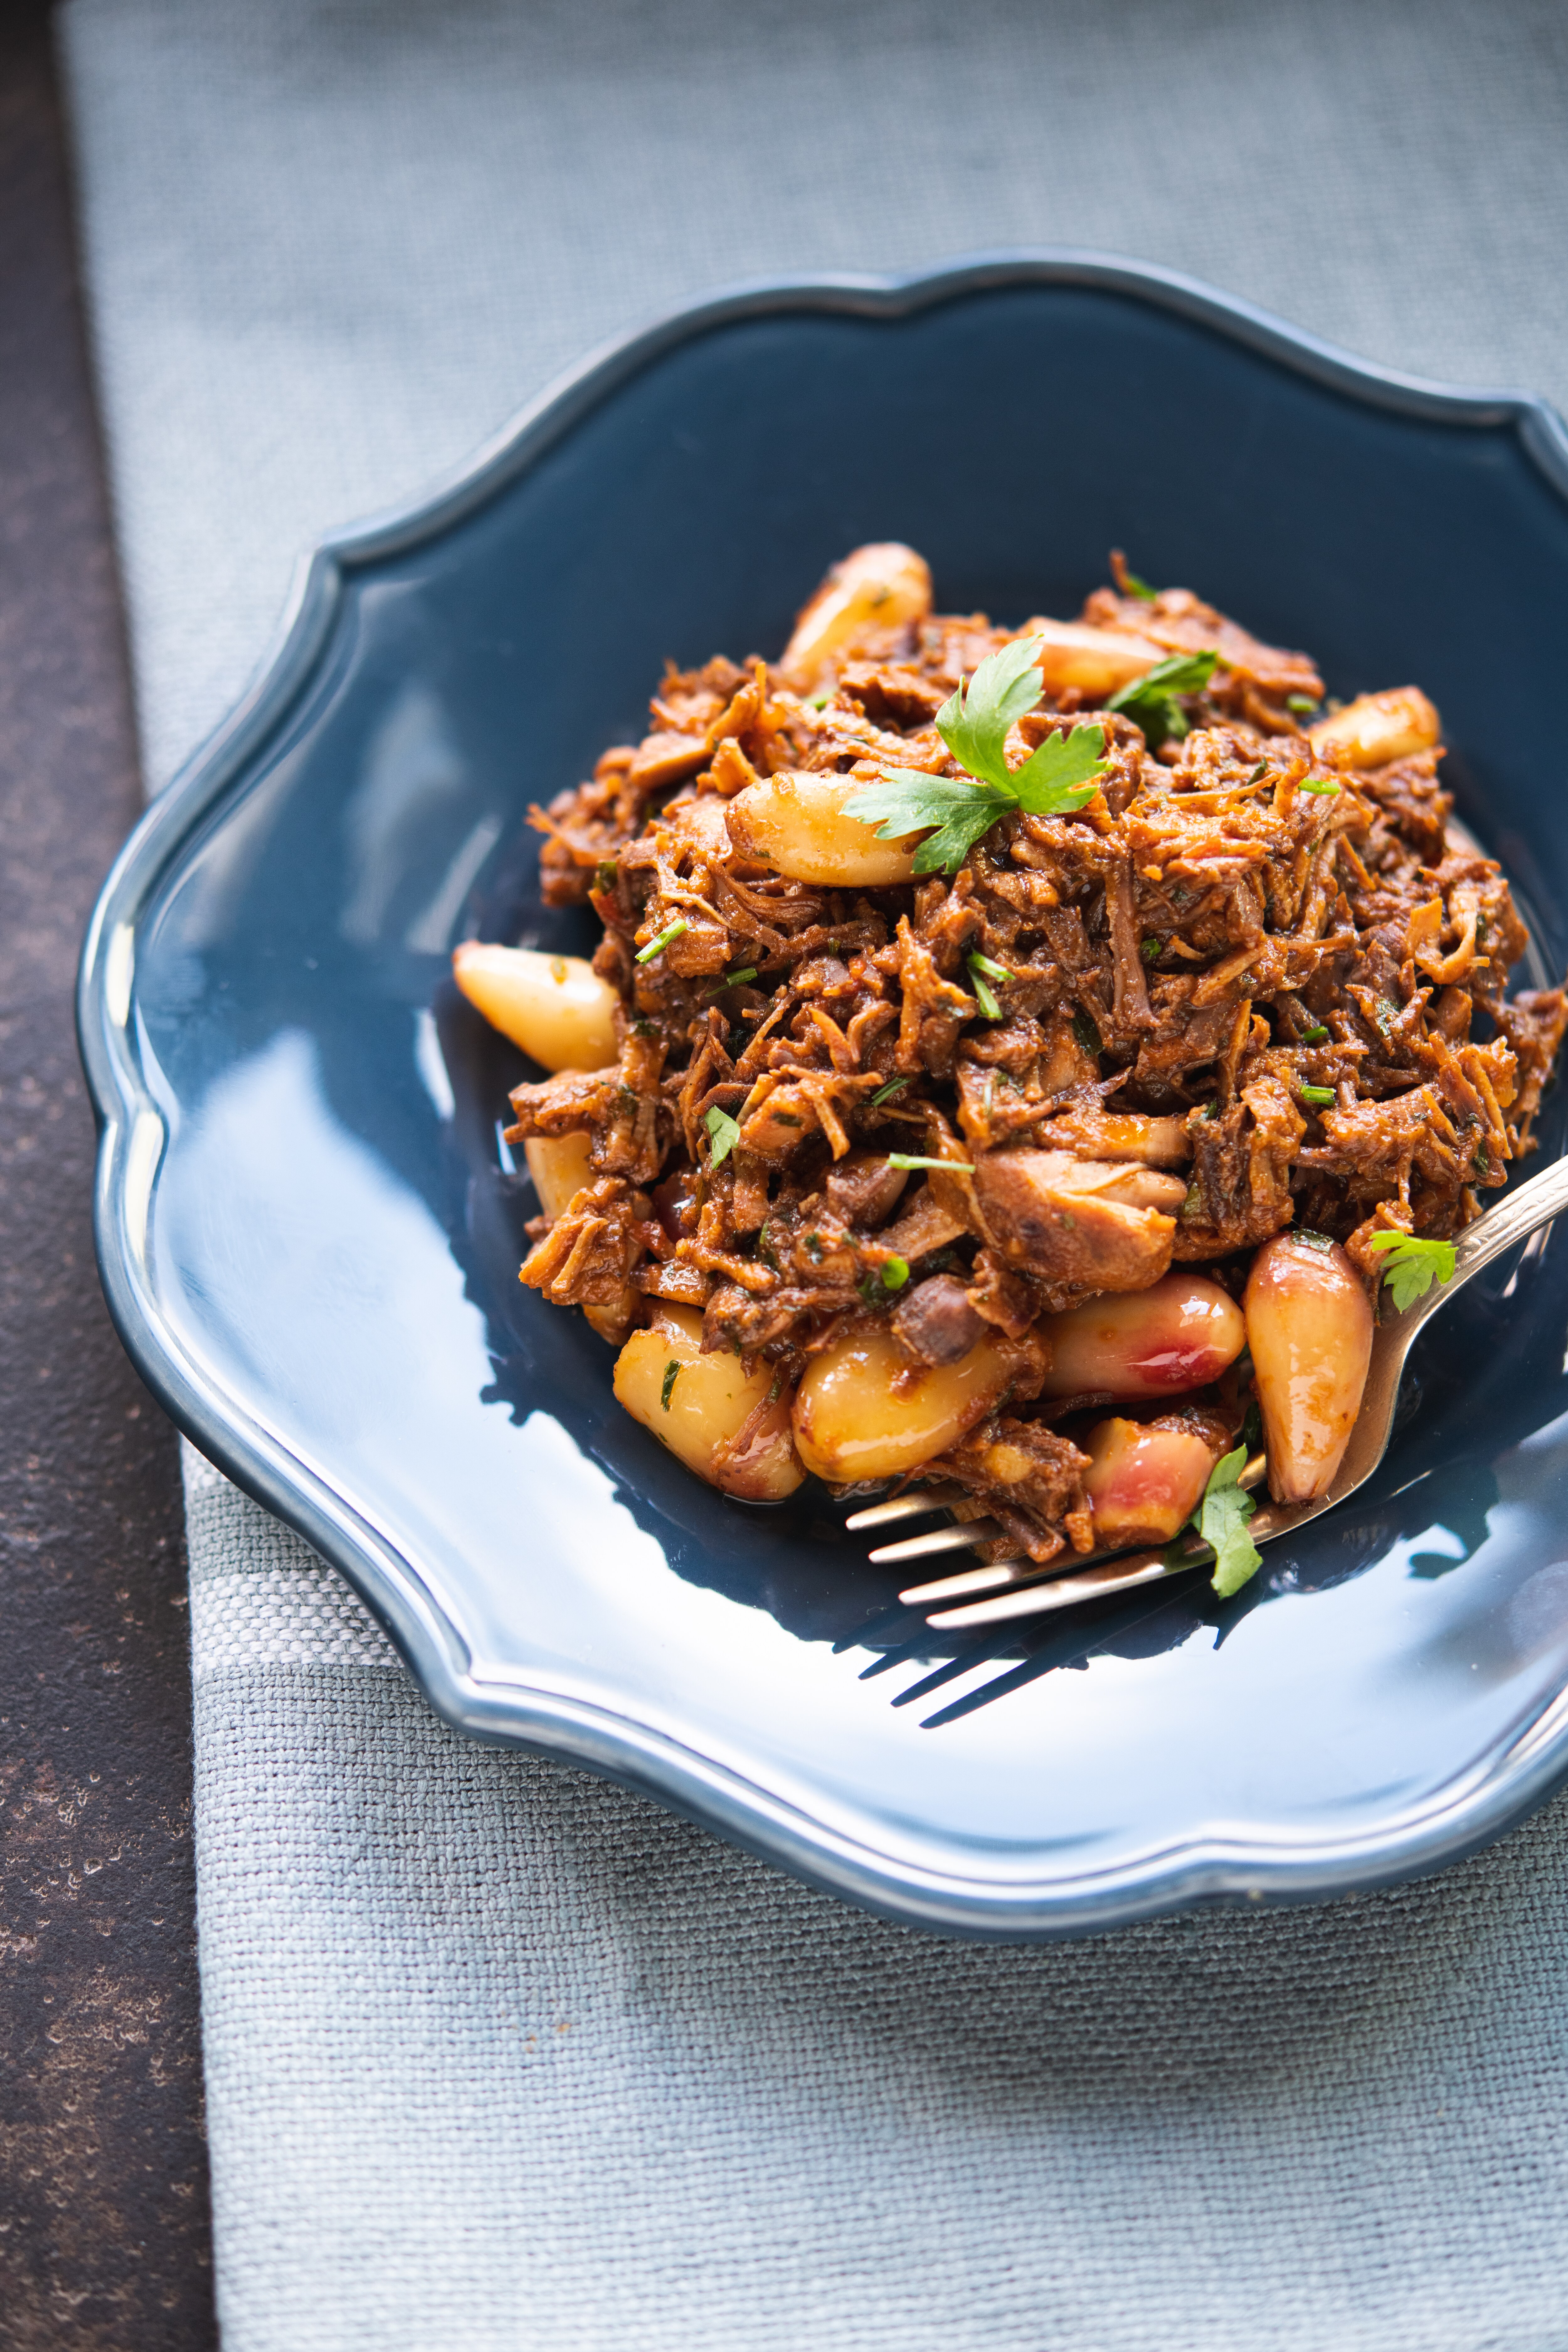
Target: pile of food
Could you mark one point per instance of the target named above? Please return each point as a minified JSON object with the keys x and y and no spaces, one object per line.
{"x":1015,"y":1057}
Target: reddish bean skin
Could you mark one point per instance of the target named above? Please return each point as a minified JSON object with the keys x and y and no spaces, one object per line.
{"x":1144,"y":1484}
{"x":1310,"y":1329}
{"x":1179,"y":1334}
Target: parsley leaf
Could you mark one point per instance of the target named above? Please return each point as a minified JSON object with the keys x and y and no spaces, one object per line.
{"x":1056,"y":778}
{"x":1221,"y":1519}
{"x":960,"y":811}
{"x":724,"y":1134}
{"x":974,"y":722}
{"x":1413,"y":1266}
{"x":672,"y":1374}
{"x":1149,"y":701}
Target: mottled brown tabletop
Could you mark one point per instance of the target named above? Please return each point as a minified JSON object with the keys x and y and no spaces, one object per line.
{"x":103,"y":2191}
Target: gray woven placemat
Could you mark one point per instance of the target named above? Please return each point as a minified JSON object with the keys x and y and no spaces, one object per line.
{"x":498,"y":2056}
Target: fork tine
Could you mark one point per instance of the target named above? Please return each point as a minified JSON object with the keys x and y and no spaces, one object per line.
{"x":1123,"y":1575}
{"x":917,"y":1504}
{"x":938,"y":1539}
{"x":997,"y":1578}
{"x":1059,"y":1594}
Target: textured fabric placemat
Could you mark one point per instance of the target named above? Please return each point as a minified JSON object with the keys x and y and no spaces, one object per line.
{"x":498,"y":2056}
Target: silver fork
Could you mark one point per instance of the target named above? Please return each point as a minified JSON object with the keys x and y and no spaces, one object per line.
{"x":1017,"y":1587}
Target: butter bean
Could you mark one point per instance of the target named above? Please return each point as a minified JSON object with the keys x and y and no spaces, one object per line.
{"x":555,"y":1007}
{"x":1144,"y":1484}
{"x":1377,"y":728}
{"x":1096,"y":661}
{"x":559,"y":1167}
{"x":1179,"y":1334}
{"x":797,"y":823}
{"x":1310,"y":1329}
{"x":880,"y":586}
{"x":702,"y":1411}
{"x":862,"y":1413}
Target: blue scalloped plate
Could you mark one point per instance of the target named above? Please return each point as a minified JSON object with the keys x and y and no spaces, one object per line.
{"x":310,"y":1232}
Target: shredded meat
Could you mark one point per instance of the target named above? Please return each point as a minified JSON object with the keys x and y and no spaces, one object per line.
{"x":1245,"y":986}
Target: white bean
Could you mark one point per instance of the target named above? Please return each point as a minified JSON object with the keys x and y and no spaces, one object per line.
{"x":1310,"y":1329}
{"x":862,"y":1413}
{"x":882,"y":586}
{"x":797,"y":823}
{"x":1144,"y":1484}
{"x":1377,"y":728}
{"x":555,"y":1007}
{"x":1180,"y":1333}
{"x":703,"y":1407}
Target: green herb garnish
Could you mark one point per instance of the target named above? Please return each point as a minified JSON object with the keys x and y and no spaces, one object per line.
{"x":1152,"y":949}
{"x":979,"y":966}
{"x":1311,"y":784}
{"x":724,"y":1134}
{"x":1321,"y":1097}
{"x":656,"y":946}
{"x":1136,"y":587}
{"x":1221,"y":1519}
{"x":1257,"y":773}
{"x":734,"y":980}
{"x":1316,"y":1036}
{"x":894,"y":1087}
{"x":1309,"y":1239}
{"x":1088,"y":1036}
{"x":1301,"y":704}
{"x":1413,"y":1266}
{"x":894,"y":1274}
{"x":912,"y":1160}
{"x":1149,"y":701}
{"x":604,"y":874}
{"x":672,"y":1373}
{"x":1053,"y":780}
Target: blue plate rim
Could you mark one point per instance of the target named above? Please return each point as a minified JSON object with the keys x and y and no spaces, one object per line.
{"x":1475,"y":1808}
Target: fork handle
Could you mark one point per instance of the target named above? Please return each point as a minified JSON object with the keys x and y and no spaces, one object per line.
{"x":1516,"y":1216}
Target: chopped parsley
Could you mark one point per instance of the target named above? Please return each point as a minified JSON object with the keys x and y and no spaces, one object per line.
{"x":1413,"y":1266}
{"x":913,"y":1159}
{"x":1152,"y":949}
{"x":1151,"y":701}
{"x":980,"y":966}
{"x":724,"y":1134}
{"x":657,"y":945}
{"x":671,"y":1373}
{"x":956,"y":810}
{"x":1221,"y":1519}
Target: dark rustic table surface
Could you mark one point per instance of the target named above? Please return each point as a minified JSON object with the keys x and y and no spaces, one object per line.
{"x":104,"y":2192}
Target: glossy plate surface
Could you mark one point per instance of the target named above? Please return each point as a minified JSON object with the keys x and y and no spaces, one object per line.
{"x":310,"y":1235}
